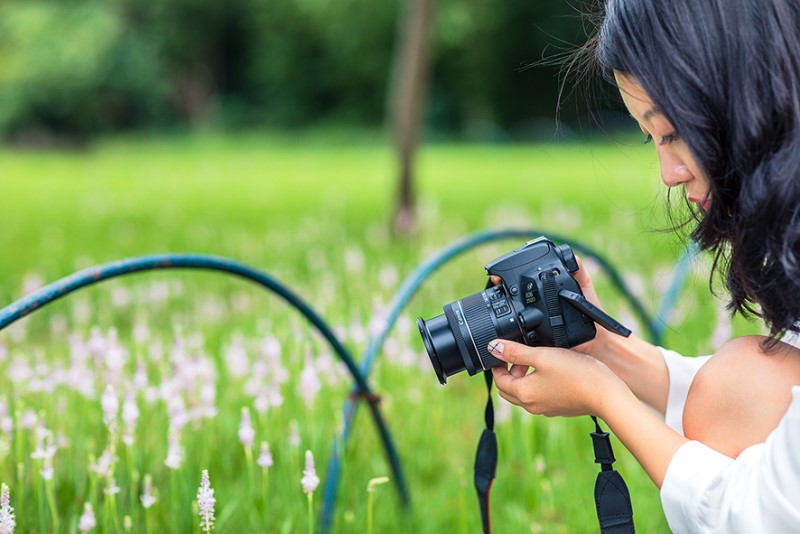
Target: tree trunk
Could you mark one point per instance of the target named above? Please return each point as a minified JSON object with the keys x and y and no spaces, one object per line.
{"x":406,"y":105}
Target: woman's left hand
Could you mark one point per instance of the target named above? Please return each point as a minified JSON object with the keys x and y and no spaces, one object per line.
{"x":561,"y":382}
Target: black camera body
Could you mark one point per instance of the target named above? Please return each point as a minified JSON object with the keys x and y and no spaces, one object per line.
{"x":538,"y":303}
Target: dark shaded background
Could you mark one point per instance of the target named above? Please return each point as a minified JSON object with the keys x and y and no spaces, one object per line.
{"x":75,"y":69}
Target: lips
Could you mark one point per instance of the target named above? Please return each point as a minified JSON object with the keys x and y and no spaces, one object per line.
{"x":705,"y":205}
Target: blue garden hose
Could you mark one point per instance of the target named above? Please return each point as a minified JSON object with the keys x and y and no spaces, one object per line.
{"x":673,"y":289}
{"x":407,"y":290}
{"x":49,"y":293}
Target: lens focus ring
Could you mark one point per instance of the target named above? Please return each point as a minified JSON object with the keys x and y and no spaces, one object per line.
{"x":461,"y":343}
{"x":476,"y":312}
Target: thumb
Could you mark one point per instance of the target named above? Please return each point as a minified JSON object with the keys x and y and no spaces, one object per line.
{"x":512,"y":352}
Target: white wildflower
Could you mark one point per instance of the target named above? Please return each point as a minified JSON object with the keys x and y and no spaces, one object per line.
{"x":310,"y":480}
{"x":375,"y":482}
{"x":110,"y":405}
{"x":309,"y":382}
{"x":294,"y":434}
{"x":104,"y":464}
{"x":246,"y":432}
{"x":205,"y":502}
{"x":265,"y":457}
{"x":7,"y":520}
{"x":130,"y":414}
{"x":175,"y":453}
{"x":87,"y":521}
{"x":148,"y":498}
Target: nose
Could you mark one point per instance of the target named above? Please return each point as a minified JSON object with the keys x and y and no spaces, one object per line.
{"x":674,"y":171}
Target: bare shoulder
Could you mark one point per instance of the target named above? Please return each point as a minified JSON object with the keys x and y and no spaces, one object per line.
{"x":739,"y":396}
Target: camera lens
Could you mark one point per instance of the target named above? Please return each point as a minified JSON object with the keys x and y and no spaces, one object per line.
{"x":440,"y":344}
{"x":458,"y":339}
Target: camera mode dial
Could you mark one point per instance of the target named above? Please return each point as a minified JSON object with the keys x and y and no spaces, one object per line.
{"x":568,"y":256}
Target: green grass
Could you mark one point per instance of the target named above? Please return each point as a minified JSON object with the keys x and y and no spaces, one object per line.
{"x":305,"y":211}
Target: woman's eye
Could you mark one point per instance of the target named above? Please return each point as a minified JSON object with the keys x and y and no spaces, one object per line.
{"x":648,"y":139}
{"x":669,"y":138}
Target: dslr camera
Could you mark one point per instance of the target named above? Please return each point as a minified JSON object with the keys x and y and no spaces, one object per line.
{"x":538,"y":303}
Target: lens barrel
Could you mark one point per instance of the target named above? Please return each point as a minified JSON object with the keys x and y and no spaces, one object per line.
{"x":458,"y":339}
{"x":440,"y":344}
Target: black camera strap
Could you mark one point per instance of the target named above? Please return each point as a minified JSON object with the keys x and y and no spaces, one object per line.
{"x":486,"y":457}
{"x":554,"y":310}
{"x":611,"y":497}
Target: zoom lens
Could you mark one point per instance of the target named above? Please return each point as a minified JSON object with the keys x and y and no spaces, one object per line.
{"x":458,"y":339}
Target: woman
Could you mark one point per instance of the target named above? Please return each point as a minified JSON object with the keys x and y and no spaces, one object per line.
{"x":715,"y":86}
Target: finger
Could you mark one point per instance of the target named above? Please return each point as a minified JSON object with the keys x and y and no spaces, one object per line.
{"x":511,"y":352}
{"x":503,"y":379}
{"x":581,"y":275}
{"x":518,"y":371}
{"x":509,"y":398}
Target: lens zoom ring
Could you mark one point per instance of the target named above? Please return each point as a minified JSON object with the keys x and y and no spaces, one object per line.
{"x":480,"y":324}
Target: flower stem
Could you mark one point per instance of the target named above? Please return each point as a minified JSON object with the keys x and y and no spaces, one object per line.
{"x":248,"y":453}
{"x":265,"y":490}
{"x":369,"y":513}
{"x":173,"y":496}
{"x":133,"y":478}
{"x":51,"y":501}
{"x":310,"y":512}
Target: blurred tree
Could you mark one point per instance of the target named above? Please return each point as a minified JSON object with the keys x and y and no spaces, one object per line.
{"x":407,"y":89}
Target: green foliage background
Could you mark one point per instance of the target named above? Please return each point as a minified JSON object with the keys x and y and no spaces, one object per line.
{"x":80,"y":67}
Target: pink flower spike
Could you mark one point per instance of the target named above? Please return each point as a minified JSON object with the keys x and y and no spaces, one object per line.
{"x":175,"y":454}
{"x":246,"y":432}
{"x":310,"y":383}
{"x":265,"y":458}
{"x":148,"y":498}
{"x":205,"y":502}
{"x":110,"y":405}
{"x":7,"y":521}
{"x":310,"y":480}
{"x":87,"y":521}
{"x":294,"y":434}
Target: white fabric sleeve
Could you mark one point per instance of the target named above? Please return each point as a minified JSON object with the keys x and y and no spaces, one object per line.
{"x":681,"y":373}
{"x":705,"y":491}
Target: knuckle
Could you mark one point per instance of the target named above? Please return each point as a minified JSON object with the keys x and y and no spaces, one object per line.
{"x":523,"y":394}
{"x":510,"y":354}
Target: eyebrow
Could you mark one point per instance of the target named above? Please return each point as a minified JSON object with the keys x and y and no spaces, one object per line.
{"x":651,"y":112}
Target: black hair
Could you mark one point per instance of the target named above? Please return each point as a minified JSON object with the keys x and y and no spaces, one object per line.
{"x":726,"y":74}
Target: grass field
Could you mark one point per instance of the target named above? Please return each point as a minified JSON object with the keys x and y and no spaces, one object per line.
{"x":187,"y":351}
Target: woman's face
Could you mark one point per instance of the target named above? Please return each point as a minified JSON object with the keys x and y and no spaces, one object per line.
{"x":678,"y":167}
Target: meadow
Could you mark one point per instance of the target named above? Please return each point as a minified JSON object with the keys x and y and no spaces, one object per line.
{"x":122,"y":394}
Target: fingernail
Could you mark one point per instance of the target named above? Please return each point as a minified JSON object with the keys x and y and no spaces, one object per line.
{"x":496,"y":347}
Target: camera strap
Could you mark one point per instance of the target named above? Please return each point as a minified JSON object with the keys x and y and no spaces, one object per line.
{"x":611,"y":497}
{"x":486,"y":457}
